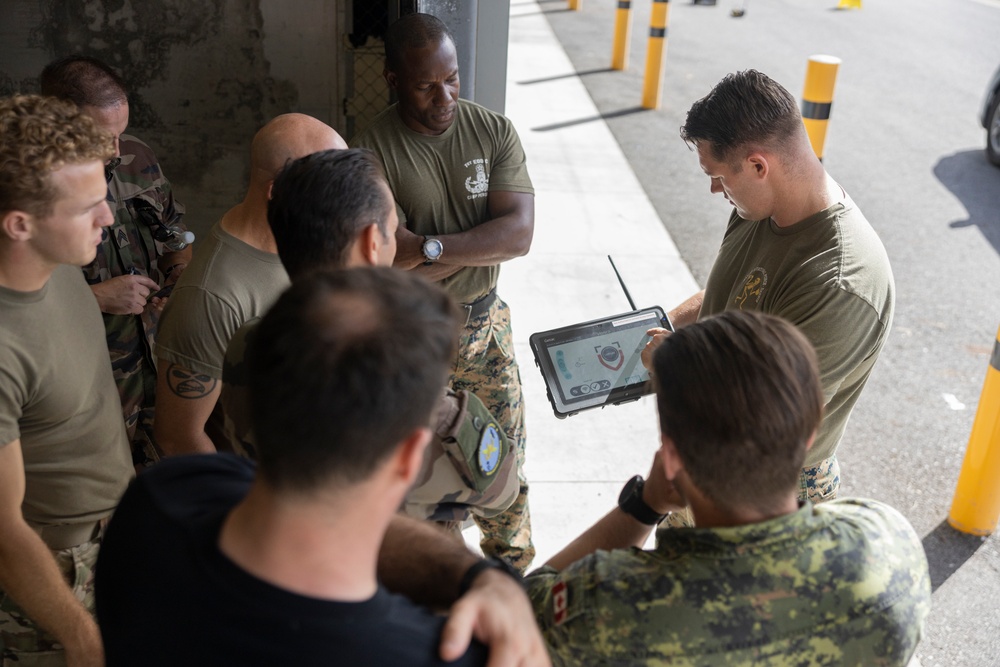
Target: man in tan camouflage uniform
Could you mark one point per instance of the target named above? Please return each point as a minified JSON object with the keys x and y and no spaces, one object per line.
{"x":334,"y":210}
{"x":132,"y":266}
{"x":764,"y":578}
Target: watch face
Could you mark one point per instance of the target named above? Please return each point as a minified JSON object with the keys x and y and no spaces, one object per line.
{"x":432,"y":249}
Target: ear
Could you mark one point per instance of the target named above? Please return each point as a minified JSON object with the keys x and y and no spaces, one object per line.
{"x":17,"y":225}
{"x":409,"y":457}
{"x":369,"y":242}
{"x":390,"y":78}
{"x":671,"y":459}
{"x":759,"y":163}
{"x":812,"y":439}
{"x":270,"y":189}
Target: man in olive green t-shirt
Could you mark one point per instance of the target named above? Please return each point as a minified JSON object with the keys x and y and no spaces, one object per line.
{"x":64,"y":456}
{"x":235,"y":276}
{"x":796,"y":246}
{"x":466,"y":204}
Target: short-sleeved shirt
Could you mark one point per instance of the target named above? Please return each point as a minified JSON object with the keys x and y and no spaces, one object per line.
{"x":227,"y":283}
{"x":830,"y":276}
{"x":201,"y":608}
{"x":441,"y":183}
{"x":58,"y":397}
{"x":842,"y":583}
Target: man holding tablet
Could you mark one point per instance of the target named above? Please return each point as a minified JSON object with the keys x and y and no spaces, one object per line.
{"x":764,"y":578}
{"x":796,"y":246}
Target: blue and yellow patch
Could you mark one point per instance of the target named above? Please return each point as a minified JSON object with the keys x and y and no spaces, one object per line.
{"x":488,"y":453}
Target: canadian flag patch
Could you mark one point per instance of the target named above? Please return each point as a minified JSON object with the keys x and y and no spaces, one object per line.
{"x":560,"y":602}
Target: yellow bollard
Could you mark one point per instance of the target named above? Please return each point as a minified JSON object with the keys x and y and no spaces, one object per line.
{"x":623,"y":32}
{"x":849,"y":4}
{"x":976,"y":505}
{"x":817,"y":98}
{"x":574,"y":5}
{"x":656,"y":52}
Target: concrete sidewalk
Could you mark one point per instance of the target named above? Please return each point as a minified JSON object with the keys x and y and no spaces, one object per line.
{"x":588,"y":204}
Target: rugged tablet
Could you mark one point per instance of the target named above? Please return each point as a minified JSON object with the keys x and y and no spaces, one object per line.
{"x":596,"y":363}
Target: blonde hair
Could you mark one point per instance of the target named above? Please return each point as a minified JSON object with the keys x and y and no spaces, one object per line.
{"x":39,"y":135}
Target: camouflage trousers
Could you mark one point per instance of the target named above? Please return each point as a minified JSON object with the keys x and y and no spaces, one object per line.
{"x":135,"y":377}
{"x":821,"y":482}
{"x":487,"y":368}
{"x":817,"y":484}
{"x":24,"y":644}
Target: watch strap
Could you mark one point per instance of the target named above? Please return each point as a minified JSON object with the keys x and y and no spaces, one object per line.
{"x":633,"y":504}
{"x":488,"y":564}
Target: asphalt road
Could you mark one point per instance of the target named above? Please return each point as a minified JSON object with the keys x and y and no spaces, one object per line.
{"x":904,"y":140}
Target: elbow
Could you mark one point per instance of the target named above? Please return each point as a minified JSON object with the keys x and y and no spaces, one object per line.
{"x":524,"y":239}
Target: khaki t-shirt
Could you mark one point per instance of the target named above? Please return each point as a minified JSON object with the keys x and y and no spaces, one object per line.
{"x":227,"y":283}
{"x":830,"y":276}
{"x":58,"y":397}
{"x":441,"y":183}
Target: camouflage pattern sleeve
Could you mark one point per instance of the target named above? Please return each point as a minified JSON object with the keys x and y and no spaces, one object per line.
{"x":845,"y":583}
{"x":469,"y":467}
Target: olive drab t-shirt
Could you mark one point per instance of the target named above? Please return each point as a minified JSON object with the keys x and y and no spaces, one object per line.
{"x":227,"y":283}
{"x":830,"y":276}
{"x":441,"y":183}
{"x":58,"y":397}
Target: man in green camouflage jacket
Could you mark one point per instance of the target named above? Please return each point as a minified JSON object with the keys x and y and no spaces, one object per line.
{"x":762,"y":579}
{"x":141,"y":254}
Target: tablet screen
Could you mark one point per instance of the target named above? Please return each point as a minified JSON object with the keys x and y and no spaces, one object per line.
{"x":595,"y":363}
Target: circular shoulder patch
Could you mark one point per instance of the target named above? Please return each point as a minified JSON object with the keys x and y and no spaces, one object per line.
{"x":488,"y":454}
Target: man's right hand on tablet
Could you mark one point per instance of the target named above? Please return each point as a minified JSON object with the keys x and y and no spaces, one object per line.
{"x":659,"y":335}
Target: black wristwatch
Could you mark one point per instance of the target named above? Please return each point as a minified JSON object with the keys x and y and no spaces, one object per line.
{"x":488,"y":564}
{"x":630,"y":501}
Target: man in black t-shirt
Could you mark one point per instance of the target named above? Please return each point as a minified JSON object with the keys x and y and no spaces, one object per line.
{"x":285,"y":564}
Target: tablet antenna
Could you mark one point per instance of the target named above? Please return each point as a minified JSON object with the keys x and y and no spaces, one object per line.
{"x":622,"y":282}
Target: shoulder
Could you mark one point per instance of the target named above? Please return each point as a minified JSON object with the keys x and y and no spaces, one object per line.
{"x":139,"y":163}
{"x":416,"y":634}
{"x":381,"y":126}
{"x":186,"y":489}
{"x":476,"y":117}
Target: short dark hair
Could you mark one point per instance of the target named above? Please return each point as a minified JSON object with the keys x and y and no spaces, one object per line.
{"x":83,"y":80}
{"x":319,"y":204}
{"x":39,"y":135}
{"x":344,"y":366}
{"x":744,"y":109}
{"x":739,"y":394}
{"x":413,"y":31}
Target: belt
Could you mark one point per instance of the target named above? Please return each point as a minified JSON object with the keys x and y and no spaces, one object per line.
{"x":70,"y":535}
{"x":479,"y":307}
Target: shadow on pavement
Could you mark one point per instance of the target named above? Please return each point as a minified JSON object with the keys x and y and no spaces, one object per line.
{"x":947,"y":550}
{"x":976,"y":183}
{"x":569,"y":75}
{"x":589,"y":119}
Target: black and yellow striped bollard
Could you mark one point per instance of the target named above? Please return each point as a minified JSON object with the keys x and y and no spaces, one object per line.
{"x":656,"y":52}
{"x":623,"y":34}
{"x":817,"y":99}
{"x":976,"y":505}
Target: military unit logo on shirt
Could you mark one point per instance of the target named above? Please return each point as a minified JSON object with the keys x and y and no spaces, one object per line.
{"x":753,"y":288}
{"x":478,"y":185}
